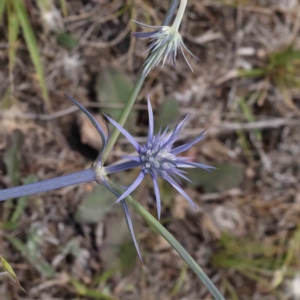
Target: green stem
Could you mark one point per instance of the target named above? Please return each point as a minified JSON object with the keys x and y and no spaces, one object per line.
{"x":138,"y":85}
{"x":155,"y":225}
{"x":179,"y":16}
{"x":170,"y":13}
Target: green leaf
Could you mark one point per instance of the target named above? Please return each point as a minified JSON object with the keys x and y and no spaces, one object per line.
{"x":249,"y":116}
{"x":167,"y":113}
{"x":251,"y":73}
{"x":225,"y":177}
{"x":114,"y":87}
{"x":32,"y":46}
{"x":95,"y":206}
{"x":67,"y":40}
{"x":22,"y":202}
{"x":82,"y":290}
{"x":12,"y":157}
{"x":156,"y":226}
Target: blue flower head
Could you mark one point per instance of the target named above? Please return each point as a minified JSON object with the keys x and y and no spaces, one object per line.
{"x":158,"y":158}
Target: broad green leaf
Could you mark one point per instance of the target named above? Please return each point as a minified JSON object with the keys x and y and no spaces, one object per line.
{"x":113,"y":87}
{"x":156,"y":226}
{"x":32,"y":46}
{"x":167,"y":113}
{"x":95,"y":206}
{"x":10,"y":272}
{"x":226,"y":176}
{"x":67,"y":40}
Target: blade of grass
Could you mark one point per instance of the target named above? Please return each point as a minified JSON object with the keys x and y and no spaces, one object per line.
{"x":32,"y":47}
{"x":63,"y":6}
{"x":13,"y":31}
{"x":2,"y":8}
{"x":249,"y":116}
{"x":156,"y":226}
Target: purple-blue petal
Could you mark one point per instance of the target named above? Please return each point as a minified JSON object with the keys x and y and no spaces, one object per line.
{"x":134,"y":185}
{"x":180,"y":190}
{"x":130,"y":227}
{"x":194,"y":164}
{"x":121,"y":167}
{"x":151,"y":120}
{"x":157,"y":196}
{"x":92,"y":119}
{"x":129,"y":137}
{"x":187,"y":146}
{"x":178,"y":173}
{"x":172,"y":138}
{"x":127,"y":217}
{"x":134,"y":158}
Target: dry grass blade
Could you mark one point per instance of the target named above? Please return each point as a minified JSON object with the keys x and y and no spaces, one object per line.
{"x":32,"y":46}
{"x":10,"y":272}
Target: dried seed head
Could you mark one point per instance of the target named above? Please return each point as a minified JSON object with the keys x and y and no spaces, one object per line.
{"x":165,"y":42}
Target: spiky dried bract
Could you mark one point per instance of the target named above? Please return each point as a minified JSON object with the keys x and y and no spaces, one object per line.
{"x":158,"y":158}
{"x":165,"y":42}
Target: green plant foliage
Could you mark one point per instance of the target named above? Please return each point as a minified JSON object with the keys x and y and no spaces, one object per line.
{"x":95,"y":206}
{"x":167,"y":113}
{"x":82,"y":290}
{"x":31,"y":251}
{"x":67,"y":40}
{"x":227,"y":176}
{"x":114,"y":87}
{"x":20,"y":10}
{"x":160,"y":229}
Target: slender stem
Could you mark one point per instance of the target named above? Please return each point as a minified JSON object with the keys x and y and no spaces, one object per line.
{"x":170,"y":13}
{"x":155,"y":225}
{"x":179,"y":16}
{"x":48,"y":185}
{"x":138,"y":85}
{"x":126,"y":111}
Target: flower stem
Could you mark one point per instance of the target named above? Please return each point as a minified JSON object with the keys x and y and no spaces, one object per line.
{"x":136,"y":90}
{"x":170,"y":13}
{"x":156,"y":226}
{"x":48,"y":185}
{"x":179,"y":16}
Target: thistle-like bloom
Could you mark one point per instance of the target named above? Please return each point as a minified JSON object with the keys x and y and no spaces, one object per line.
{"x":158,"y":158}
{"x":165,"y":42}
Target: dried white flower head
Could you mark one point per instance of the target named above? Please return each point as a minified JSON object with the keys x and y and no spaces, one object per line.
{"x":165,"y":42}
{"x":51,"y":18}
{"x":294,"y":286}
